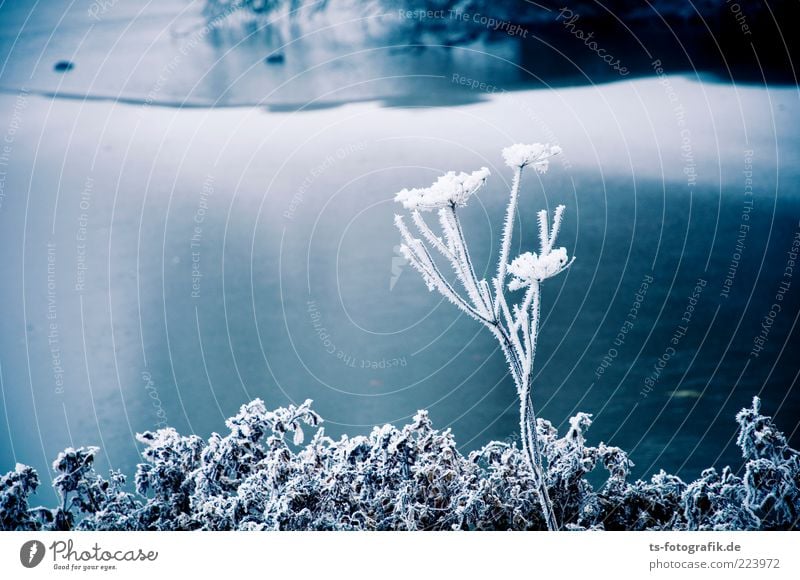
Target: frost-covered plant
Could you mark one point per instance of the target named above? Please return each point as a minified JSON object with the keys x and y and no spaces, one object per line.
{"x":767,"y":497}
{"x":89,"y":501}
{"x":170,"y":460}
{"x":261,"y":476}
{"x":77,"y":485}
{"x":15,"y":487}
{"x":772,"y":474}
{"x":515,"y":324}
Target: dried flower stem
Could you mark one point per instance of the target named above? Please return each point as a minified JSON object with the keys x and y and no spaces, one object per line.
{"x":516,"y":328}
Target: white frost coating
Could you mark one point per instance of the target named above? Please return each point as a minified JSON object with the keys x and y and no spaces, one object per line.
{"x":537,"y":155}
{"x":407,"y":478}
{"x":528,"y":267}
{"x":514,"y":325}
{"x":450,"y":189}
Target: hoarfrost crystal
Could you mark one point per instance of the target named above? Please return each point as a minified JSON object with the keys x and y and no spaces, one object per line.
{"x":450,"y":189}
{"x":537,"y":155}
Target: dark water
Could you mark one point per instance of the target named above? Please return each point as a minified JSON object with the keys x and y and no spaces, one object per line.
{"x":166,"y":265}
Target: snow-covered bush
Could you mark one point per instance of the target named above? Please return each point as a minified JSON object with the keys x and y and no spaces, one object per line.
{"x":15,"y":487}
{"x":515,"y":325}
{"x":257,"y":477}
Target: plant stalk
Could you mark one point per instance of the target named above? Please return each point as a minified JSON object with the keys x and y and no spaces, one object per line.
{"x":530,"y":446}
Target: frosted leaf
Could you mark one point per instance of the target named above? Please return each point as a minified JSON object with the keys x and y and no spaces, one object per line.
{"x":450,"y":189}
{"x":298,"y":436}
{"x":537,"y":155}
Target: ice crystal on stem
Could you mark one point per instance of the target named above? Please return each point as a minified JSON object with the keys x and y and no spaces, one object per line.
{"x":514,"y":325}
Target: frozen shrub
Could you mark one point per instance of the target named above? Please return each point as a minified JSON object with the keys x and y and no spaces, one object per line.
{"x":78,"y":486}
{"x":15,"y":487}
{"x":116,"y":508}
{"x":262,"y":476}
{"x":89,"y":501}
{"x":569,"y":460}
{"x":171,"y":459}
{"x":772,"y":473}
{"x":716,"y":501}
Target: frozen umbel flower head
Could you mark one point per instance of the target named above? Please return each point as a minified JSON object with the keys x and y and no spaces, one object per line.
{"x":536,"y":155}
{"x":529,"y":267}
{"x":450,"y":189}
